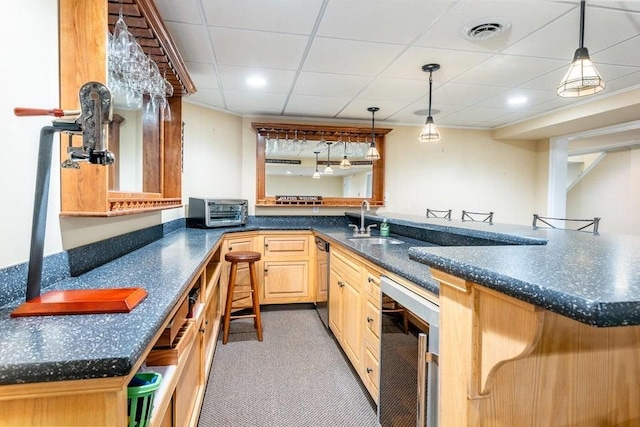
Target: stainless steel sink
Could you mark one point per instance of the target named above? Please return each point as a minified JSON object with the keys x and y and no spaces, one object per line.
{"x":376,"y":240}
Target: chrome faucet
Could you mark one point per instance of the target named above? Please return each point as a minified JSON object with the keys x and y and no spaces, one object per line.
{"x":364,"y":205}
{"x":362,"y":231}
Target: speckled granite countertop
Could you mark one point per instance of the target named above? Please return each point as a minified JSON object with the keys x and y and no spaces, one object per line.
{"x":594,"y":279}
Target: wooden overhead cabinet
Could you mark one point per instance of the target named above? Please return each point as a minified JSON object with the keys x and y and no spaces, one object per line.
{"x":83,"y":57}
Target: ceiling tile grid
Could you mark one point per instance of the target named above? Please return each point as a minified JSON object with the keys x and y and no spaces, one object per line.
{"x":335,"y":58}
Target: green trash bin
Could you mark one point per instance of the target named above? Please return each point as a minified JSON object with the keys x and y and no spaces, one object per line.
{"x":140,"y":392}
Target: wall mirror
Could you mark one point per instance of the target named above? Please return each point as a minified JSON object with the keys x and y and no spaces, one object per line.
{"x":301,"y":165}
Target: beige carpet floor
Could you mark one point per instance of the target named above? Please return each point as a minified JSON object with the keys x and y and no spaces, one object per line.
{"x":296,"y":377}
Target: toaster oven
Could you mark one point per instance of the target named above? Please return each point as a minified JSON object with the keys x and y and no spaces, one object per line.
{"x":209,"y":213}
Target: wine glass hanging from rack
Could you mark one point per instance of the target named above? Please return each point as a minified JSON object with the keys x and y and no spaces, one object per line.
{"x":132,"y":74}
{"x":280,"y":142}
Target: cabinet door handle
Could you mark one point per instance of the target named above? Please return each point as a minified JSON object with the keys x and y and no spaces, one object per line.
{"x":202,"y":330}
{"x":341,"y":283}
{"x":230,"y":248}
{"x":369,"y":370}
{"x":266,"y":270}
{"x":370,"y":279}
{"x":266,"y":245}
{"x":369,"y":319}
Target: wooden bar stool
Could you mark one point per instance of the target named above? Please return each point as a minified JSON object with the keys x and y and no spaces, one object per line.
{"x":234,"y":258}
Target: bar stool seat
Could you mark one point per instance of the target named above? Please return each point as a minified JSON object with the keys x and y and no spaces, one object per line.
{"x":235,"y":258}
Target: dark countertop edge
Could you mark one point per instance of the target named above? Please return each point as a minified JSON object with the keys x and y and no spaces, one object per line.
{"x":584,"y":311}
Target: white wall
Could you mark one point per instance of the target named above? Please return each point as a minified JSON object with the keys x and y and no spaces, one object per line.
{"x":610,"y":191}
{"x":29,"y":79}
{"x":466,"y":169}
{"x":213,"y":153}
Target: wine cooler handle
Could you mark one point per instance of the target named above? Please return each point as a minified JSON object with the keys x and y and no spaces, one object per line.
{"x":422,"y":380}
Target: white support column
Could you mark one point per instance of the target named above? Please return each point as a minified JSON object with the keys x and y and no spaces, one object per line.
{"x":557,"y":188}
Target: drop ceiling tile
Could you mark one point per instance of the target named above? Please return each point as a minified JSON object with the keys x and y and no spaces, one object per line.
{"x":258,"y":48}
{"x":192,"y":41}
{"x":463,"y":94}
{"x":185,"y":11}
{"x":235,"y":79}
{"x":630,"y":5}
{"x":349,"y":57}
{"x":628,"y":81}
{"x":506,"y":70}
{"x":473,"y":115}
{"x":209,"y":97}
{"x":509,"y":118}
{"x":560,"y":39}
{"x":626,"y":53}
{"x":390,"y":89}
{"x":203,"y":75}
{"x":452,"y":63}
{"x":285,"y":16}
{"x":326,"y":84}
{"x":357,"y":109}
{"x":255,"y":103}
{"x":402,"y":22}
{"x":525,"y":17}
{"x":532,"y":97}
{"x":323,"y":106}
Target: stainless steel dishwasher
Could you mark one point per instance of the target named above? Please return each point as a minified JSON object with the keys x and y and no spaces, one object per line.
{"x":322,"y":280}
{"x":408,"y":359}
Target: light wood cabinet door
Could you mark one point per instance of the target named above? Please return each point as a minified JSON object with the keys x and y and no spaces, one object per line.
{"x":287,"y":272}
{"x":336,"y":303}
{"x":237,"y":243}
{"x":286,"y":281}
{"x":352,"y":325}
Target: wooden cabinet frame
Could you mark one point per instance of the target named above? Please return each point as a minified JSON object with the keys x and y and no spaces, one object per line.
{"x":329,"y":133}
{"x":83,"y":58}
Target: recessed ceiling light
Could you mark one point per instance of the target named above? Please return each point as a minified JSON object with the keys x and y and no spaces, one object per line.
{"x":288,"y":172}
{"x":256,"y":81}
{"x":485,"y":28}
{"x":517,"y":100}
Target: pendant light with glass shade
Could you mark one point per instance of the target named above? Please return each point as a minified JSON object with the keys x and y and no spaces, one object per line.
{"x":372,"y":153}
{"x":429,"y":131}
{"x":316,"y":174}
{"x":582,"y":78}
{"x":328,"y":170}
{"x":345,"y":163}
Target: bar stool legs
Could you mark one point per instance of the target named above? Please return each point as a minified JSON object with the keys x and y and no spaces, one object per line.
{"x":235,"y":258}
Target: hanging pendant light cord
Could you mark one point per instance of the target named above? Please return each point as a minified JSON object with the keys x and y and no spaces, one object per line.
{"x":373,"y":121}
{"x":582,"y":7}
{"x":430,"y":85}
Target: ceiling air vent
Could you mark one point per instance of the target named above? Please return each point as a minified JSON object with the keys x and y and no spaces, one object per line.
{"x":485,"y":29}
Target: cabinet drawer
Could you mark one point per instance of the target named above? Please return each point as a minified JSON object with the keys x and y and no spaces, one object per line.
{"x":350,"y":268}
{"x":372,"y":288}
{"x":286,"y":246}
{"x":371,"y":371}
{"x":372,"y":318}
